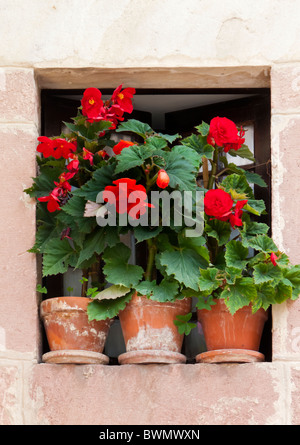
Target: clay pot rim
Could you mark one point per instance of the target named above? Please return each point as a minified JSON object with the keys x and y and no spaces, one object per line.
{"x":60,"y":304}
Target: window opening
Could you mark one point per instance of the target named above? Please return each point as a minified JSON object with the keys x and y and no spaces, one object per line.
{"x":175,"y":111}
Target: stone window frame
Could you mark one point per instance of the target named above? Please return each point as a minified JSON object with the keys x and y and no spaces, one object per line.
{"x":185,"y":77}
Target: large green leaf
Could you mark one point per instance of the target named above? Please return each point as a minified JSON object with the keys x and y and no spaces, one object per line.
{"x":183,"y":265}
{"x":189,"y":154}
{"x":208,"y":281}
{"x":43,"y":184}
{"x":93,"y":243}
{"x":58,"y":256}
{"x":117,"y":268}
{"x":238,"y":184}
{"x":135,"y":126}
{"x":239,"y":294}
{"x":291,"y":277}
{"x":133,"y":156}
{"x":236,"y":255}
{"x":199,"y":143}
{"x":165,"y":291}
{"x":220,"y":230}
{"x":266,"y":273}
{"x":243,"y":152}
{"x":181,"y":172}
{"x":263,"y":243}
{"x":101,"y":310}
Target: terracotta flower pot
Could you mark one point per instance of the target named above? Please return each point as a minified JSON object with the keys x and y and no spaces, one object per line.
{"x":71,"y":337}
{"x":231,"y":338}
{"x":149,"y":331}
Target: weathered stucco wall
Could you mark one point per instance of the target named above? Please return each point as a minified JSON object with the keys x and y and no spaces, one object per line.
{"x":195,"y":43}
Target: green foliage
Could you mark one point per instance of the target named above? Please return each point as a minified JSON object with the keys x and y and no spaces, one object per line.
{"x":183,"y":323}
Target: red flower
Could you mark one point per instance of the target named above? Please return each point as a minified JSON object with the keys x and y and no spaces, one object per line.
{"x":91,"y":103}
{"x":218,"y":203}
{"x":123,"y":98}
{"x":53,"y":201}
{"x":46,"y":146}
{"x":63,"y":148}
{"x":162,"y":179}
{"x":73,"y":167}
{"x":235,"y":218}
{"x":224,"y":133}
{"x":120,"y":145}
{"x":273,"y":258}
{"x":127,"y":195}
{"x":88,"y":156}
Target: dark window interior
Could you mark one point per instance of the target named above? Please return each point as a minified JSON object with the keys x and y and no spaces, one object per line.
{"x":172,"y":111}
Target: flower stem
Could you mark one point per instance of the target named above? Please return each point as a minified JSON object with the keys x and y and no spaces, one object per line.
{"x":151,"y":257}
{"x":214,"y":168}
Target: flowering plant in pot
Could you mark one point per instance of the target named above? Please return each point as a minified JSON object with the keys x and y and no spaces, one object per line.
{"x":247,"y":272}
{"x":152,"y":195}
{"x":65,"y":238}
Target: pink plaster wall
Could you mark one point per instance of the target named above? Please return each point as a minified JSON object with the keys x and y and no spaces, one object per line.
{"x":35,"y":393}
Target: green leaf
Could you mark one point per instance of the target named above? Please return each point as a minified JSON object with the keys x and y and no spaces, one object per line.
{"x":266,"y":273}
{"x":239,"y":294}
{"x":183,"y":265}
{"x":100,"y":179}
{"x":181,"y":172}
{"x":41,"y":289}
{"x":155,"y":143}
{"x":208,"y":281}
{"x":220,"y":230}
{"x":205,"y":302}
{"x":291,"y":277}
{"x":236,"y":255}
{"x":58,"y":256}
{"x":255,"y":206}
{"x":199,"y":143}
{"x":112,"y":292}
{"x":170,"y":138}
{"x":117,"y":269}
{"x":183,"y":324}
{"x":135,"y":126}
{"x":203,"y":128}
{"x":283,"y":293}
{"x":143,"y":233}
{"x":101,"y":310}
{"x":189,"y":154}
{"x":93,"y":243}
{"x":243,"y":152}
{"x":263,"y":243}
{"x":133,"y":156}
{"x":238,"y":184}
{"x":165,"y":291}
{"x":44,"y":183}
{"x":252,"y":228}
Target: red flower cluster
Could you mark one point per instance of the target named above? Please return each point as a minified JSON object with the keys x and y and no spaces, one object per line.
{"x":219,"y":204}
{"x":224,"y":133}
{"x":112,"y":110}
{"x":129,"y":197}
{"x":58,"y":148}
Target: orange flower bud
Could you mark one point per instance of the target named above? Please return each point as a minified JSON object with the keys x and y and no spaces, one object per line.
{"x":162,"y":179}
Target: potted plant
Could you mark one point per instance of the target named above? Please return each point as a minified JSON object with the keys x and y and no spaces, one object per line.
{"x":65,"y":238}
{"x":247,"y":272}
{"x":153,"y":195}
